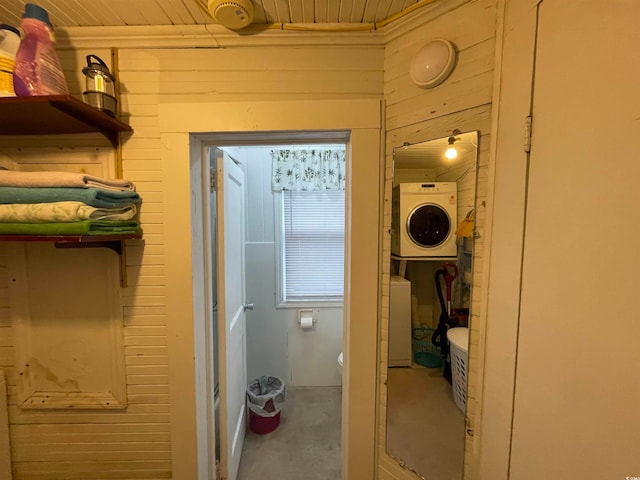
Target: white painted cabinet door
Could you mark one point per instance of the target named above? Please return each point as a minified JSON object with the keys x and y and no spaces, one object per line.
{"x":577,"y":390}
{"x":232,"y":355}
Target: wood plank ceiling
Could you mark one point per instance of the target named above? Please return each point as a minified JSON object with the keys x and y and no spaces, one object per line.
{"x":74,"y":13}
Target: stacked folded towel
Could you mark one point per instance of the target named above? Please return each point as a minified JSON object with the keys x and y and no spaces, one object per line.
{"x":64,"y":203}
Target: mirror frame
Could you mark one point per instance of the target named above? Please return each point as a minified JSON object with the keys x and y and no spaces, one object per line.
{"x":384,"y":320}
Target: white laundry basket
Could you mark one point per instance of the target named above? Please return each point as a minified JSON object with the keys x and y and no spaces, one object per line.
{"x":459,"y":347}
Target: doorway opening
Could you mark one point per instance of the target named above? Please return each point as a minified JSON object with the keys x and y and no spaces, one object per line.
{"x":291,"y":273}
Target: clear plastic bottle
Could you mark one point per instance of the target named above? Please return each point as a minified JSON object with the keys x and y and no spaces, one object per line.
{"x":9,"y":42}
{"x":37,"y":69}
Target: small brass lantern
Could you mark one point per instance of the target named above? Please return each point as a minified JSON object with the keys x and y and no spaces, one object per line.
{"x":100,"y":86}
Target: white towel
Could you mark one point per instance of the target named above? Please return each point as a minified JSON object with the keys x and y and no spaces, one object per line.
{"x":12,"y":178}
{"x":62,"y":212}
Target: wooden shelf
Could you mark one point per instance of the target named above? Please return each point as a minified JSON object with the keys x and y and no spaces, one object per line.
{"x":113,"y":242}
{"x":56,"y":114}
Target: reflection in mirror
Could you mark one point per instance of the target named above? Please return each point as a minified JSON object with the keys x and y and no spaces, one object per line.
{"x":433,"y":205}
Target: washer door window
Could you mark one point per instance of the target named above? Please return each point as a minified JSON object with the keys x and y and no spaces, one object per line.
{"x":428,"y":225}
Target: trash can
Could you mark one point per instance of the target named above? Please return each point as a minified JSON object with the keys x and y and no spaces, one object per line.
{"x":265,"y":396}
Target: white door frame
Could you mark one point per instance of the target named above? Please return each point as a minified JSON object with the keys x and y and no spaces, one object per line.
{"x":181,"y":166}
{"x":500,"y":300}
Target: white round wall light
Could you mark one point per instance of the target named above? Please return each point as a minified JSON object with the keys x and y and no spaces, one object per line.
{"x":233,"y":14}
{"x":433,"y":63}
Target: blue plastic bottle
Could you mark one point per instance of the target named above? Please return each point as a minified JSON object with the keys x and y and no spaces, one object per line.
{"x":37,"y":69}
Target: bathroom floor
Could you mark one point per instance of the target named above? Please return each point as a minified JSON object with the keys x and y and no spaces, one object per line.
{"x":425,"y":429}
{"x":306,"y":444}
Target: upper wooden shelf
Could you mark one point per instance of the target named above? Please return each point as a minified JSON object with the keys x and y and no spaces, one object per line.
{"x":56,"y":114}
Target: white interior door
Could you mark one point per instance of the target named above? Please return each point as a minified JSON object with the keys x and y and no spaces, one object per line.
{"x":577,"y":388}
{"x":232,"y":358}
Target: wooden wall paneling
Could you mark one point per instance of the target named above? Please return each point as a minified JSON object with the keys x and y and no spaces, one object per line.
{"x":475,"y":59}
{"x":149,"y":78}
{"x":7,"y":356}
{"x":267,"y":82}
{"x":5,"y":317}
{"x":76,"y":434}
{"x":68,"y":470}
{"x":134,"y":272}
{"x":85,"y":10}
{"x":68,"y":331}
{"x":5,"y":446}
{"x":6,"y":337}
{"x":196,"y":13}
{"x":177,"y":12}
{"x":456,"y":97}
{"x":144,"y":310}
{"x":266,"y":58}
{"x":20,"y":416}
{"x":94,"y":160}
{"x":461,"y":24}
{"x":472,"y":118}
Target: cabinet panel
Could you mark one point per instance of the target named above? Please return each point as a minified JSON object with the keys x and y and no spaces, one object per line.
{"x":67,"y":321}
{"x":577,"y":389}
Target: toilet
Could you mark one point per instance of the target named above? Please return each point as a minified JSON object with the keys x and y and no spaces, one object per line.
{"x":340,"y":363}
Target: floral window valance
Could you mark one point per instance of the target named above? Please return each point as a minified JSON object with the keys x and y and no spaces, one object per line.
{"x":308,"y":169}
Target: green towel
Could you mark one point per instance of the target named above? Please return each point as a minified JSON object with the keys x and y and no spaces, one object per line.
{"x":85,"y":227}
{"x":96,"y":197}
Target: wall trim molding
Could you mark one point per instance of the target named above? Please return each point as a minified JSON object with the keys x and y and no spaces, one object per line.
{"x":204,"y":36}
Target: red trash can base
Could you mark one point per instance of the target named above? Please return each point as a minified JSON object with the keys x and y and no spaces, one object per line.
{"x":262,"y":425}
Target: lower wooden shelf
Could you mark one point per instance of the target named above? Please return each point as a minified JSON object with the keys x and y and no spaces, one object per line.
{"x":113,"y":242}
{"x":82,"y":240}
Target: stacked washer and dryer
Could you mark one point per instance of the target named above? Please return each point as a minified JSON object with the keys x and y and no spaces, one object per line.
{"x":423,"y":220}
{"x":423,"y":223}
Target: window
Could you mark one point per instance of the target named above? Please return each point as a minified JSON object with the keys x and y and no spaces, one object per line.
{"x":311,"y":247}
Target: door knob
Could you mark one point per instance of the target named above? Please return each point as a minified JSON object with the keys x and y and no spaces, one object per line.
{"x":248,"y":306}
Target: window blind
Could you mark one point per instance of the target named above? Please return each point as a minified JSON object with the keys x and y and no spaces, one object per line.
{"x":313,"y":244}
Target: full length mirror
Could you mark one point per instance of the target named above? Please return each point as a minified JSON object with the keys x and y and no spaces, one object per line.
{"x":432,"y":232}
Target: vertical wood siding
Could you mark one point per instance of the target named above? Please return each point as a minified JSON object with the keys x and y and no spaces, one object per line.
{"x":135,"y":443}
{"x":414,"y":115}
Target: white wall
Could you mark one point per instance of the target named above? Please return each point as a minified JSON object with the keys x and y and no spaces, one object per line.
{"x":276,"y":345}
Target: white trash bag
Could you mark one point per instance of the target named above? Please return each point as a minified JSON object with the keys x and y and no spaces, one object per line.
{"x":266,"y":395}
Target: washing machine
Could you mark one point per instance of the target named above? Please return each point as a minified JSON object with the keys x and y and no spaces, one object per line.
{"x":399,"y":322}
{"x":424,"y":219}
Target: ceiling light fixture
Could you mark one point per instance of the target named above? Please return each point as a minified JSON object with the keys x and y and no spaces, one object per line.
{"x":451,"y":152}
{"x":433,"y":63}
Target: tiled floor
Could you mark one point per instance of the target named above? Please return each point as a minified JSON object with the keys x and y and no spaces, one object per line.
{"x":425,"y":429}
{"x":306,"y":444}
